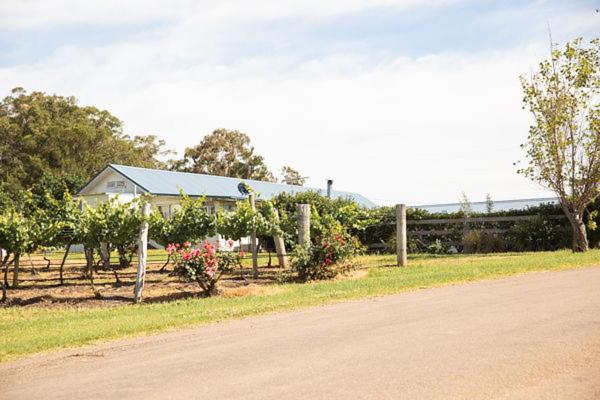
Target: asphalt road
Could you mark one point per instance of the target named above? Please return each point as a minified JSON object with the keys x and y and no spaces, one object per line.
{"x":533,"y":336}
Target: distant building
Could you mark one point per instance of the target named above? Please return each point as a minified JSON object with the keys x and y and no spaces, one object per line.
{"x":481,"y":206}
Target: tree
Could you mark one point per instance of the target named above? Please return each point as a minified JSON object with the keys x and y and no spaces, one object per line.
{"x":44,"y":134}
{"x":563,"y":146}
{"x":465,"y":205}
{"x":291,"y":176}
{"x":225,"y":153}
{"x":489,"y":203}
{"x":14,"y":240}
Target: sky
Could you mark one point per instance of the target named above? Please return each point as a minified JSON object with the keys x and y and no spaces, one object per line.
{"x":403,"y":101}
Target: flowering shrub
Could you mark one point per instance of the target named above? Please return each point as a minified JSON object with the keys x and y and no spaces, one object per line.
{"x":199,"y":264}
{"x":328,"y":256}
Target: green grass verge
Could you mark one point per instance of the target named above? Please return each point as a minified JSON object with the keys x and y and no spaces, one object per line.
{"x":25,"y":331}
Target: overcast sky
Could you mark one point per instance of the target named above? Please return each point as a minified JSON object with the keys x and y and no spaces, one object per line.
{"x":403,"y":101}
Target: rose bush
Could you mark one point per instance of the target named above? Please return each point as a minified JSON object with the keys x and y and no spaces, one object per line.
{"x":202,"y":264}
{"x":326,"y":257}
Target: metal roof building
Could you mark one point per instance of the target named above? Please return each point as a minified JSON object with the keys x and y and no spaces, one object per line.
{"x":170,"y":183}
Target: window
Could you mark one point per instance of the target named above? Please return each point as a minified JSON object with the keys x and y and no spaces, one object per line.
{"x":115,"y":184}
{"x":209,"y":209}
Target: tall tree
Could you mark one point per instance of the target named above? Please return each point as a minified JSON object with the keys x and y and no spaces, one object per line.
{"x":563,"y":146}
{"x":44,"y":134}
{"x":291,"y":176}
{"x":225,"y":153}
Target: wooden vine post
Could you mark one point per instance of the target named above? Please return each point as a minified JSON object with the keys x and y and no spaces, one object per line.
{"x":280,"y":246}
{"x":253,"y":246}
{"x":303,"y":223}
{"x":142,"y":254}
{"x":401,"y":257}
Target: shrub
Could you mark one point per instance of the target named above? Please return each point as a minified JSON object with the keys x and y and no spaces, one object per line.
{"x":538,"y":234}
{"x":326,"y":257}
{"x":200,"y":264}
{"x":437,"y":247}
{"x":480,"y":242}
{"x":189,"y":222}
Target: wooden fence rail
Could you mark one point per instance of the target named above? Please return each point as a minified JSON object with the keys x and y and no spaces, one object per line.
{"x":465,"y":224}
{"x":442,"y":221}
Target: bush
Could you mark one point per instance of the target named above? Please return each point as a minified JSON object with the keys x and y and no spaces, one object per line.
{"x":481,"y":242}
{"x":538,"y":234}
{"x":200,"y":264}
{"x":437,"y":247}
{"x":326,"y":257}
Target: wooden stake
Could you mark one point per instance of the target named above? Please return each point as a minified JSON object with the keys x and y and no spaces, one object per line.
{"x":142,"y":254}
{"x":16,"y":267}
{"x":401,"y":235}
{"x":303,"y":223}
{"x":280,"y":246}
{"x":253,"y":247}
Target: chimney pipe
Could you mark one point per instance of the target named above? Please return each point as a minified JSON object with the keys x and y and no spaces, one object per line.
{"x":329,"y":184}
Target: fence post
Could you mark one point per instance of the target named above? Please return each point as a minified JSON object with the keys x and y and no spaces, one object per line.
{"x":401,"y":235}
{"x":303,"y":223}
{"x":253,"y":246}
{"x":280,"y":246}
{"x":142,"y":254}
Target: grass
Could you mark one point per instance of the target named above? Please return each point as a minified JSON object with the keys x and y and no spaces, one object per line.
{"x":25,"y":331}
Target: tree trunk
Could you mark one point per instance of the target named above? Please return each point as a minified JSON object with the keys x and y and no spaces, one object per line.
{"x":105,"y":255}
{"x":4,"y":264}
{"x":89,"y":256}
{"x":580,"y":241}
{"x":16,"y":271}
{"x":62,"y":264}
{"x":167,"y":263}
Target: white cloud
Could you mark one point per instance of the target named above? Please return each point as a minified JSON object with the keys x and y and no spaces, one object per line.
{"x":411,"y":129}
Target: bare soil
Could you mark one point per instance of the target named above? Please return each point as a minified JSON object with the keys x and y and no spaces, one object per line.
{"x":39,"y":286}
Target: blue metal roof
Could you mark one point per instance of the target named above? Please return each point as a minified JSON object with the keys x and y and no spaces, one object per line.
{"x":161,"y":182}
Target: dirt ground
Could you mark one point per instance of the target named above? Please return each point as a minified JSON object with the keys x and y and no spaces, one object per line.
{"x":39,"y":286}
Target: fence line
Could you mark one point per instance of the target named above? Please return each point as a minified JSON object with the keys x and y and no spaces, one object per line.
{"x":441,"y":221}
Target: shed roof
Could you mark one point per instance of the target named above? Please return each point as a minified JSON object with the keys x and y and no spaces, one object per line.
{"x":161,"y":182}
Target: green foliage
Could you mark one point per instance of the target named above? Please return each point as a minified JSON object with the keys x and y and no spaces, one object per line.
{"x":291,"y":177}
{"x":51,"y":188}
{"x":45,"y":136}
{"x":475,"y":241}
{"x":563,"y":144}
{"x":189,"y":223}
{"x":326,"y":257}
{"x":239,"y":223}
{"x":325,"y":212}
{"x":542,"y":233}
{"x":115,"y":223}
{"x":225,"y":153}
{"x":201,"y":265}
{"x":538,"y":234}
{"x":15,"y":232}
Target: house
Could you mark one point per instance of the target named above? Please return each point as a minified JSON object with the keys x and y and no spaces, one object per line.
{"x":165,"y":186}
